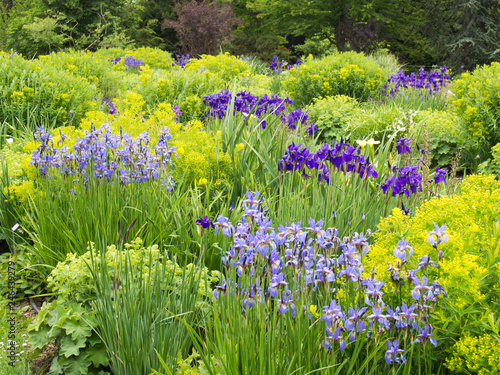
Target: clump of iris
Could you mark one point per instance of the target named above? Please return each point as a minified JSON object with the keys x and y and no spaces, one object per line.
{"x":432,"y":82}
{"x":129,"y":62}
{"x":277,"y":65}
{"x":340,"y":156}
{"x":105,"y":156}
{"x":408,"y":179}
{"x":182,"y":60}
{"x":293,"y":268}
{"x":246,"y":103}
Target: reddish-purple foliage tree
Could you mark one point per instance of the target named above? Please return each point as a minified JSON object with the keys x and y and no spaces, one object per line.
{"x":203,"y":26}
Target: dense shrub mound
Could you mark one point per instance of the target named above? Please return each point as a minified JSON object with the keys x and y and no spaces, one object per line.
{"x":349,"y":73}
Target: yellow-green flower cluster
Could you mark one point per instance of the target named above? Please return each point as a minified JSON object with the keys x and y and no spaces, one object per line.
{"x":348,"y":73}
{"x":42,"y":91}
{"x":477,"y":102}
{"x":72,"y":279}
{"x":476,"y":355}
{"x":471,"y":218}
{"x":332,"y":115}
{"x":224,"y":65}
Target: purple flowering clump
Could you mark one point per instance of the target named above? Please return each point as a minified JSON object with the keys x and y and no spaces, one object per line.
{"x":277,"y":65}
{"x":340,"y":156}
{"x":105,"y":101}
{"x":430,"y":81}
{"x":103,"y":155}
{"x":132,"y":63}
{"x":246,"y":103}
{"x":182,"y":60}
{"x":115,"y":61}
{"x":291,"y":268}
{"x":407,"y":181}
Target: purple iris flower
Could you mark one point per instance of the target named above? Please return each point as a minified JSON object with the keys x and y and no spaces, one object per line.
{"x":425,"y":261}
{"x":400,"y":251}
{"x":425,"y":335}
{"x":437,"y":236}
{"x":333,"y":337}
{"x":403,"y":145}
{"x":394,"y":354}
{"x":205,"y":222}
{"x":440,"y":175}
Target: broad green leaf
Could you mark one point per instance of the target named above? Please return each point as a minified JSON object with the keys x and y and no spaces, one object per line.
{"x":98,"y":355}
{"x":71,"y":347}
{"x":75,"y":365}
{"x":77,"y":329}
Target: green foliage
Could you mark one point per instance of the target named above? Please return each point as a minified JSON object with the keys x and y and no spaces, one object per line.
{"x":254,"y":37}
{"x":348,"y":73}
{"x":89,"y":21}
{"x":48,"y":92}
{"x":257,"y":84}
{"x":139,"y":314}
{"x":224,"y":65}
{"x":78,"y":329}
{"x":332,"y":116}
{"x":318,"y":17}
{"x":447,"y":134}
{"x":28,"y":282}
{"x":72,"y":280}
{"x":175,"y":85}
{"x":386,"y":60}
{"x":17,"y":37}
{"x":18,"y":364}
{"x":44,"y":31}
{"x":492,"y":166}
{"x":380,"y":123}
{"x":192,"y":108}
{"x":477,"y":103}
{"x":466,"y":32}
{"x":72,"y":327}
{"x":317,"y":45}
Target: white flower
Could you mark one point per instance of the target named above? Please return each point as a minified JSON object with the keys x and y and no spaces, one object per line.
{"x":9,"y":140}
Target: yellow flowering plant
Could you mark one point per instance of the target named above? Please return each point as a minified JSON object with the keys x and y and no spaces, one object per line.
{"x":477,"y":103}
{"x":468,"y":270}
{"x":349,"y":73}
{"x":224,"y":65}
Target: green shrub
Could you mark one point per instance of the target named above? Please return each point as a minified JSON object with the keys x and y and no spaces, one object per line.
{"x":349,"y":73}
{"x":29,"y":89}
{"x":492,"y":166}
{"x":224,"y":66}
{"x":89,"y":67}
{"x":477,"y":102}
{"x":258,"y":84}
{"x":175,"y":85}
{"x":447,"y":133}
{"x":332,"y":115}
{"x":73,"y":280}
{"x":73,"y":322}
{"x":380,"y":122}
{"x":153,"y":57}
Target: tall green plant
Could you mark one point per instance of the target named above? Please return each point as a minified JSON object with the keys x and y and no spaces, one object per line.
{"x":137,"y":314}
